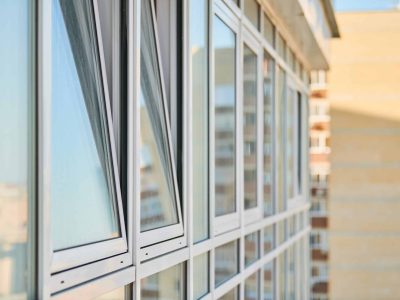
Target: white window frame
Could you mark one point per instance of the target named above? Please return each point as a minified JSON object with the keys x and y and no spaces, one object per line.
{"x":157,"y":241}
{"x":67,"y":268}
{"x":230,"y":221}
{"x":254,"y":214}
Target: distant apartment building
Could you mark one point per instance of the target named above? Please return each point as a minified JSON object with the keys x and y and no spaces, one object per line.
{"x":319,"y":169}
{"x":364,"y":193}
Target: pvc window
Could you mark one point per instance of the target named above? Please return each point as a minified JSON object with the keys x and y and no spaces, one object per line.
{"x":268,"y":30}
{"x":269,"y":281}
{"x":224,"y":191}
{"x":252,"y":121}
{"x":85,"y":186}
{"x":252,"y":287}
{"x":251,"y":248}
{"x":252,"y":12}
{"x":267,"y":133}
{"x":269,"y":239}
{"x":161,"y":216}
{"x":226,"y":262}
{"x":165,"y":285}
{"x":201,"y":271}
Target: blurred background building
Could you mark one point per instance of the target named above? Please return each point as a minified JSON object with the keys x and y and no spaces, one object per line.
{"x":364,"y":189}
{"x":319,"y":168}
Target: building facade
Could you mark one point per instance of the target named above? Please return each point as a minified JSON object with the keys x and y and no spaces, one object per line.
{"x":157,"y":149}
{"x":319,"y":169}
{"x":364,"y":185}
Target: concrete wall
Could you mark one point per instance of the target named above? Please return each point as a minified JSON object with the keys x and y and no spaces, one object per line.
{"x":364,"y":90}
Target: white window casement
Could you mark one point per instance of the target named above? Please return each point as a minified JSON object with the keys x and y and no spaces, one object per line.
{"x":80,"y":178}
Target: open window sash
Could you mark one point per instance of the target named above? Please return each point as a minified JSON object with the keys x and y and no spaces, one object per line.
{"x":156,"y":105}
{"x":96,"y":257}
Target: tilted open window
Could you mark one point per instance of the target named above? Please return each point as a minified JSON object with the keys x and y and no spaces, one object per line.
{"x":87,"y":221}
{"x":161,"y":216}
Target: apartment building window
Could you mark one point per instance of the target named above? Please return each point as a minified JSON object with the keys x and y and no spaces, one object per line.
{"x":165,"y":285}
{"x":269,"y":239}
{"x":268,"y":128}
{"x":231,"y":295}
{"x":251,"y":287}
{"x":85,"y":186}
{"x":252,"y":12}
{"x":251,"y":248}
{"x":160,"y":204}
{"x":17,"y":149}
{"x":269,"y":282}
{"x":279,"y":143}
{"x":201,"y":270}
{"x":226,"y":262}
{"x":225,"y":148}
{"x":200,"y":118}
{"x":268,"y":30}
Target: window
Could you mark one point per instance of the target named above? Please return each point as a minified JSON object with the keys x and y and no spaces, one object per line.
{"x":17,"y":53}
{"x":269,"y":30}
{"x":290,"y":142}
{"x":282,"y":276}
{"x":250,"y":101}
{"x":279,"y":144}
{"x":224,"y":44}
{"x":281,"y":47}
{"x":268,"y":91}
{"x":200,"y":120}
{"x":251,"y":248}
{"x":85,"y":186}
{"x":268,"y":239}
{"x":252,"y":12}
{"x":160,"y":205}
{"x":251,"y":287}
{"x":201,"y":272}
{"x":118,"y":294}
{"x":226,"y":262}
{"x":291,"y":280}
{"x":165,"y":285}
{"x":231,"y":295}
{"x":281,"y":226}
{"x":269,"y":281}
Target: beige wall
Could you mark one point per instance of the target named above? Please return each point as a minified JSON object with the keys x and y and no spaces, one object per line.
{"x":364,"y":90}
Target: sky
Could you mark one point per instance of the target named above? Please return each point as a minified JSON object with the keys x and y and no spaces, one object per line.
{"x":366,"y":5}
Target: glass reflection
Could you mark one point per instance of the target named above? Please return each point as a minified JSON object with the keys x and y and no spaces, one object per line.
{"x":268,"y":90}
{"x":279,"y":131}
{"x":226,"y":262}
{"x":84,"y":203}
{"x":199,"y":57}
{"x":268,"y":239}
{"x":231,"y":295}
{"x":201,"y":274}
{"x":157,"y":195}
{"x":269,"y":281}
{"x":251,"y":10}
{"x":250,"y":127}
{"x":165,"y":285}
{"x":269,"y":30}
{"x":291,"y":284}
{"x":251,"y":248}
{"x":251,"y":287}
{"x":290,"y":150}
{"x":16,"y":53}
{"x":225,"y":96}
{"x":282,"y":275}
{"x":118,"y":294}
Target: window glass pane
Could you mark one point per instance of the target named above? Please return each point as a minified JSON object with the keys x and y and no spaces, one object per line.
{"x":251,"y":10}
{"x":83,"y":189}
{"x":251,"y":248}
{"x":165,"y":285}
{"x":118,"y":294}
{"x":199,"y":57}
{"x":269,"y":30}
{"x":299,"y":142}
{"x":225,"y":96}
{"x":231,"y":295}
{"x":292,"y":225}
{"x":16,"y":147}
{"x":201,"y":274}
{"x":268,"y":90}
{"x":226,"y":262}
{"x":158,"y":199}
{"x":291,"y":284}
{"x":279,"y":131}
{"x":281,"y":47}
{"x":269,"y":281}
{"x":282,"y":275}
{"x":268,"y":238}
{"x":251,"y":286}
{"x":281,"y":232}
{"x":290,"y":131}
{"x":250,"y":127}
